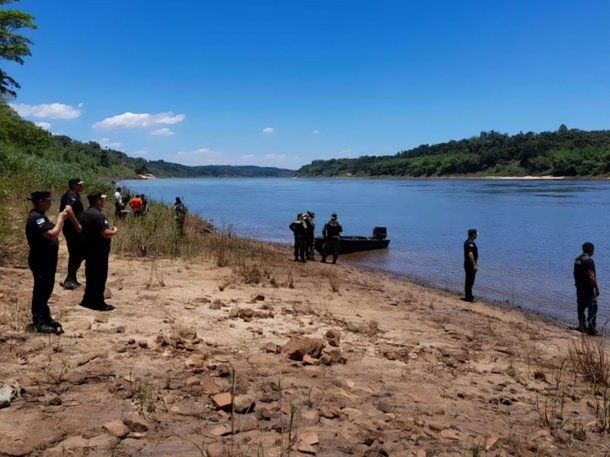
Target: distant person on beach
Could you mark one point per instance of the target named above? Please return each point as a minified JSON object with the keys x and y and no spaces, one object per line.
{"x":310,"y":237}
{"x":587,"y":289}
{"x":180,"y":211}
{"x":72,"y":231}
{"x":118,"y":204}
{"x":471,"y":258}
{"x":96,"y":238}
{"x":136,"y":205}
{"x":299,"y":229}
{"x":42,"y":236}
{"x":332,"y":238}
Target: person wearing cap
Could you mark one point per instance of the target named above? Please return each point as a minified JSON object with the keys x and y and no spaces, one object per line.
{"x":42,"y":236}
{"x":471,"y":258}
{"x":299,"y":228}
{"x":310,"y":236}
{"x":332,"y":238}
{"x":72,"y":229}
{"x":587,"y":289}
{"x":180,"y":211}
{"x":97,"y":234}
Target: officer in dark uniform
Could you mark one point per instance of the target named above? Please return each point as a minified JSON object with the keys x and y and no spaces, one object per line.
{"x":310,"y":236}
{"x":71,"y":202}
{"x":587,"y":289}
{"x":299,"y":229}
{"x":332,"y":238}
{"x":471,"y":258}
{"x":96,"y":240}
{"x":42,"y":235}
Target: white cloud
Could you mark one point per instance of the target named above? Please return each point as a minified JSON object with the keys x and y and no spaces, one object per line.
{"x":315,"y":132}
{"x":47,"y":111}
{"x":162,"y":132}
{"x":138,"y":120}
{"x":44,"y":125}
{"x":106,"y":143}
{"x":268,"y":130}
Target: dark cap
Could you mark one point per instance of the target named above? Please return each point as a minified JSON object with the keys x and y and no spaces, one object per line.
{"x":93,"y":196}
{"x":75,"y":181}
{"x":588,"y":248}
{"x":40,"y":196}
{"x":472,"y":232}
{"x":333,"y":215}
{"x":311,"y":214}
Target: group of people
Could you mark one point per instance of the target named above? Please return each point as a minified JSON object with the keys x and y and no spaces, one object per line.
{"x":585,"y":281}
{"x":304,"y":227}
{"x":137,"y":204}
{"x":87,"y":233}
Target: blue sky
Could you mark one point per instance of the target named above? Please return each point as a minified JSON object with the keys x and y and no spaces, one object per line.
{"x":286,"y":82}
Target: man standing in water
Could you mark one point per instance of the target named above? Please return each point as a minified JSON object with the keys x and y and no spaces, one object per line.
{"x":96,"y":238}
{"x":587,"y":289}
{"x":471,"y":258}
{"x":332,"y":233}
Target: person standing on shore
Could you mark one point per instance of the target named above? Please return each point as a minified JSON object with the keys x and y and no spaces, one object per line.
{"x":587,"y":289}
{"x":299,"y":229}
{"x":311,"y":235}
{"x":180,"y":211}
{"x":332,"y":238}
{"x":471,"y":259}
{"x":72,"y":229}
{"x":96,"y":238}
{"x":118,"y":204}
{"x":42,"y":235}
{"x":136,"y":205}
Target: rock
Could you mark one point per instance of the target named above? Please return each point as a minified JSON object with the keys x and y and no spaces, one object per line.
{"x":244,"y":404}
{"x":55,"y":401}
{"x":216,"y":304}
{"x":143,"y":344}
{"x":421,"y":453}
{"x":308,"y":437}
{"x":136,"y":424}
{"x":331,"y":355}
{"x":329,"y":412}
{"x":222,"y":401}
{"x":308,"y":360}
{"x":209,"y":386}
{"x":7,"y":394}
{"x":450,"y":434}
{"x":245,"y":422}
{"x":187,"y":333}
{"x":101,"y":319}
{"x":385,"y":406}
{"x":272,"y":348}
{"x":376,"y":451}
{"x":220,"y":430}
{"x":119,"y":329}
{"x":217,"y":450}
{"x":305,"y":448}
{"x":234,"y":313}
{"x":333,"y":337}
{"x":246,"y":313}
{"x":259,"y":297}
{"x":299,"y":346}
{"x":436,"y":426}
{"x":491,"y":442}
{"x":107,"y":293}
{"x":116,"y":428}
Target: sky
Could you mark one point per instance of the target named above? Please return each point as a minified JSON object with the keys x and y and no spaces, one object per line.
{"x":283,"y":83}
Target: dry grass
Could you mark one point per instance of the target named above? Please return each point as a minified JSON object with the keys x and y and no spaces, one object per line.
{"x":590,"y":358}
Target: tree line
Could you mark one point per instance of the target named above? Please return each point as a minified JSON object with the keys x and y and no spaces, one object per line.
{"x":564,"y":152}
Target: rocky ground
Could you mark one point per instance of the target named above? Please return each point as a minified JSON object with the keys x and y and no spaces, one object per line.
{"x":314,"y":360}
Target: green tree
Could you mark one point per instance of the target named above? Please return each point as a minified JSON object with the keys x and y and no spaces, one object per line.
{"x":13,"y":46}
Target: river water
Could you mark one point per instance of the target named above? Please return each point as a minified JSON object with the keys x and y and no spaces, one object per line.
{"x":530,"y":231}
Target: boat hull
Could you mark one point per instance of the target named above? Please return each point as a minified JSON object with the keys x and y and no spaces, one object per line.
{"x":349,"y":244}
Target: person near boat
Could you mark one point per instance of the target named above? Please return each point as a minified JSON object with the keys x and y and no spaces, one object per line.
{"x":299,"y":230}
{"x":332,"y":237}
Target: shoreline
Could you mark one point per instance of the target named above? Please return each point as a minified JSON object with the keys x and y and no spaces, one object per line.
{"x":414,"y":178}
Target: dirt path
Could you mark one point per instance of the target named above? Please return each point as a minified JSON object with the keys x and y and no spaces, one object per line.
{"x":405,"y":370}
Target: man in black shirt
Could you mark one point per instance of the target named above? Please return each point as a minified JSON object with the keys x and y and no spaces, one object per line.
{"x":310,"y":251}
{"x":331,"y":233}
{"x":42,"y":235}
{"x":72,"y":231}
{"x":96,"y":241}
{"x":471,"y":258}
{"x":299,"y":229}
{"x":587,"y":289}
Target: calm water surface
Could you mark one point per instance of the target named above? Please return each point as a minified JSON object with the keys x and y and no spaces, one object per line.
{"x":530,"y":231}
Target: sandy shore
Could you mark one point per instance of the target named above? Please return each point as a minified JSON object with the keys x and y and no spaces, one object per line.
{"x":405,"y":370}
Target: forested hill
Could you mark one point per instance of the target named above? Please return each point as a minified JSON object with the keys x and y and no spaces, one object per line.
{"x":22,"y":141}
{"x":565,"y":152}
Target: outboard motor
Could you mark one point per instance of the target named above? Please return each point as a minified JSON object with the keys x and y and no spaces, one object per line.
{"x":380,"y":233}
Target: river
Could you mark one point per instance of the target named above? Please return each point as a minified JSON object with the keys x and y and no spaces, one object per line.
{"x":530,"y":230}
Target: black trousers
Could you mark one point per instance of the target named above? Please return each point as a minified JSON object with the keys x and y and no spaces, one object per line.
{"x":469,"y":282}
{"x":96,"y":274}
{"x":309,"y":246}
{"x":586,"y":302}
{"x":331,"y":246}
{"x":299,"y":247}
{"x":75,"y":253}
{"x":44,"y":281}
